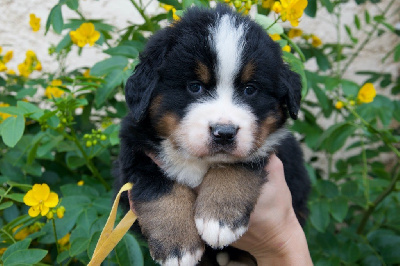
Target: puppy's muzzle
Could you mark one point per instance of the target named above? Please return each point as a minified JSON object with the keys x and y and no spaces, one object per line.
{"x":223,"y":134}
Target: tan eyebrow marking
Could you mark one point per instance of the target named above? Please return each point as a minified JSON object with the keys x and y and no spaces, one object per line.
{"x":203,"y":72}
{"x":248,"y":72}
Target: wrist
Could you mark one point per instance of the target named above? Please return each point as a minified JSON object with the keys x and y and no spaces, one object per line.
{"x":291,"y":251}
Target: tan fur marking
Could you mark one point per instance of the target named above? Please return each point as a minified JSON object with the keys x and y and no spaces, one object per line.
{"x":155,"y":105}
{"x":267,"y":127}
{"x":203,"y":73}
{"x":169,"y":222}
{"x":248,"y":72}
{"x":227,"y":193}
{"x":167,"y":125}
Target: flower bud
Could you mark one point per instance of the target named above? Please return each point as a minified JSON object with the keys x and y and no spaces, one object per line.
{"x":50,"y":215}
{"x":88,"y":143}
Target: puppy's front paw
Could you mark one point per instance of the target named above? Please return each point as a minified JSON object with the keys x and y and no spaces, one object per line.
{"x":224,"y":202}
{"x":187,"y":258}
{"x":168,"y":224}
{"x":217,"y":234}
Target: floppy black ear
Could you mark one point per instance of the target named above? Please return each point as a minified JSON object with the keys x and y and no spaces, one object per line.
{"x":291,"y":83}
{"x":140,"y":86}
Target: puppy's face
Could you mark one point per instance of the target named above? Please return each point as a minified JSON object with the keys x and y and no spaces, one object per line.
{"x":213,"y":85}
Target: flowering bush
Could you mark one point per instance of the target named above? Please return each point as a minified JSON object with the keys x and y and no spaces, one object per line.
{"x":59,"y":135}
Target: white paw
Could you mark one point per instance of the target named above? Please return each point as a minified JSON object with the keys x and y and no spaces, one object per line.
{"x":218,"y":236}
{"x":187,"y":259}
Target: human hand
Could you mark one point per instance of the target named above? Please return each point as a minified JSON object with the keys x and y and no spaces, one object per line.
{"x":275,"y":235}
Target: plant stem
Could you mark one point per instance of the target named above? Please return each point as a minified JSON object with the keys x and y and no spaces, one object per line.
{"x":276,"y":20}
{"x":373,"y":205}
{"x":5,"y":193}
{"x":10,"y":236}
{"x":364,"y":172}
{"x":55,"y":236}
{"x":295,"y":47}
{"x":144,"y":16}
{"x":89,"y":162}
{"x":376,"y":132}
{"x":369,"y":36}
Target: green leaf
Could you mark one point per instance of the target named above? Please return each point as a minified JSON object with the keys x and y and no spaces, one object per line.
{"x":128,"y":252}
{"x":65,"y":42}
{"x":173,"y":3}
{"x":335,"y":136}
{"x":5,"y":205}
{"x":350,"y":88}
{"x":350,"y":188}
{"x":397,"y":53}
{"x":57,"y":19}
{"x":266,"y":23}
{"x":78,"y":246}
{"x":322,"y":60}
{"x":311,"y":9}
{"x":74,"y":161}
{"x":20,"y":245}
{"x":112,"y":80}
{"x":25,"y":257}
{"x":48,"y":146}
{"x":329,"y":6}
{"x":297,"y":66}
{"x":319,"y":214}
{"x":30,"y":110}
{"x":357,"y":22}
{"x":338,"y":208}
{"x":367,"y":17}
{"x":327,"y":189}
{"x":106,"y":66}
{"x":12,"y":130}
{"x":93,"y":242}
{"x":127,"y":51}
{"x":18,"y":197}
{"x":73,"y":4}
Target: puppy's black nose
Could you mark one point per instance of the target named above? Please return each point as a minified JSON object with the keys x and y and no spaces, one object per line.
{"x":223,"y":133}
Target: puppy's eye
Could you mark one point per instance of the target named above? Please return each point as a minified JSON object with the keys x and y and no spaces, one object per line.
{"x":250,"y":90}
{"x":195,"y":87}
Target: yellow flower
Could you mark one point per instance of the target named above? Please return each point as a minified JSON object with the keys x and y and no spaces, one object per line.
{"x":2,"y":250}
{"x":277,"y":7}
{"x":40,"y":199}
{"x":4,"y":116}
{"x":267,"y":3}
{"x":85,"y":34}
{"x":10,"y":72}
{"x":53,"y":91}
{"x":293,"y":33}
{"x":315,"y":41}
{"x":24,"y":70}
{"x":22,"y":234}
{"x":367,"y":93}
{"x":38,"y":66}
{"x":339,"y":105}
{"x":80,"y":183}
{"x":2,"y":66}
{"x":286,"y":48}
{"x":170,"y":8}
{"x":1,"y":49}
{"x":64,"y":242}
{"x":34,"y":22}
{"x":60,"y":212}
{"x":50,"y":215}
{"x":275,"y":37}
{"x":86,"y":74}
{"x":292,"y":10}
{"x":8,"y":56}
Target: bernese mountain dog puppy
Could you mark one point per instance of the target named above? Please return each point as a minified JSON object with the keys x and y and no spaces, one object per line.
{"x":209,"y":100}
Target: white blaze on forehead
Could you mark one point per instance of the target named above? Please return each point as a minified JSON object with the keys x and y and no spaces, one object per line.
{"x":227,"y":39}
